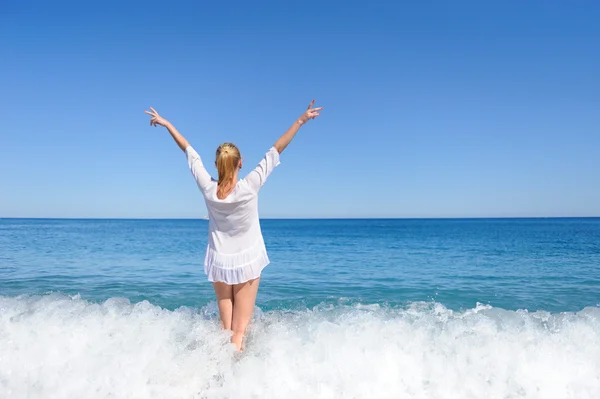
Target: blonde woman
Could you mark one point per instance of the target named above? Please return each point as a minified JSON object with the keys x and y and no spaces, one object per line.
{"x":236,"y":253}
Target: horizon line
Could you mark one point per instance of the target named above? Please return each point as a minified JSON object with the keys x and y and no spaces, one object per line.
{"x":312,"y":218}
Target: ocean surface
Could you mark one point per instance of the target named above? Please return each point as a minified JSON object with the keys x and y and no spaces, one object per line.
{"x":458,"y":308}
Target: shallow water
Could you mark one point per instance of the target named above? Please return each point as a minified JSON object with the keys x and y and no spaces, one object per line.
{"x":348,"y":308}
{"x":58,"y":346}
{"x":547,"y":264}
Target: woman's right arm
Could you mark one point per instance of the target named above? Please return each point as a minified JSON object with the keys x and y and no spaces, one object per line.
{"x":286,"y":138}
{"x":258,"y":176}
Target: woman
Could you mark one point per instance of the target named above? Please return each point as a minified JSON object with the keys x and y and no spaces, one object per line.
{"x":236,"y":253}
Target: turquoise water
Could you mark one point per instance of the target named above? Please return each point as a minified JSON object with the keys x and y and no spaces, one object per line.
{"x":498,"y":308}
{"x":548,"y":264}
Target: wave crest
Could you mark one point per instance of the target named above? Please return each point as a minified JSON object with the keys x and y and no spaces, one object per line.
{"x":61,"y":346}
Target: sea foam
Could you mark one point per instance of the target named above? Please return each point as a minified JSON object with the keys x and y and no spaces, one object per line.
{"x":57,"y":346}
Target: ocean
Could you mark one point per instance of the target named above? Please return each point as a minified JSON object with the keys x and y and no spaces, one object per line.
{"x":456,"y":308}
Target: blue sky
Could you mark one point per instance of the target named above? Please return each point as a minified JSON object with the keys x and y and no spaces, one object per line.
{"x":431,"y":109}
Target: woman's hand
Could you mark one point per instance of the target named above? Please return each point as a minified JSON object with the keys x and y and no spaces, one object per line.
{"x":286,"y":138}
{"x":156,"y":118}
{"x":311,"y":113}
{"x":159,"y":120}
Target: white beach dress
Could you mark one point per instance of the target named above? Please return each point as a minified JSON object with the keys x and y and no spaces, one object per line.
{"x":236,"y":251}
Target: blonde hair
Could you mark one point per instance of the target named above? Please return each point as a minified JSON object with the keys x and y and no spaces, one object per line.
{"x":228,"y":159}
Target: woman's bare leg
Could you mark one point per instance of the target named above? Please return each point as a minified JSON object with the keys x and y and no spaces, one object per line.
{"x":244,"y":298}
{"x":225,"y":302}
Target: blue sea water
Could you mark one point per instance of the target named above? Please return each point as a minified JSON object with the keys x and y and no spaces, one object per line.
{"x":548,"y":264}
{"x":347,"y":308}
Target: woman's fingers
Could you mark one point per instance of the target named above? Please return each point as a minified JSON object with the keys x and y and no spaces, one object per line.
{"x":154,"y":120}
{"x":312,"y":112}
{"x":311,"y":104}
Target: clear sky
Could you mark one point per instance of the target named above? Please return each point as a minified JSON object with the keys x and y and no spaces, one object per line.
{"x":431,"y":109}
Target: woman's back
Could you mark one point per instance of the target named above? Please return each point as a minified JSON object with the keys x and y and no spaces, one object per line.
{"x":233,"y":221}
{"x":236,"y":248}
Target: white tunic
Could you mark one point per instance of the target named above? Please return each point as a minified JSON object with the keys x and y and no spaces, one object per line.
{"x":236,"y":251}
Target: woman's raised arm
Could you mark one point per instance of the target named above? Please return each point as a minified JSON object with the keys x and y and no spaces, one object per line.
{"x":286,"y":138}
{"x":159,"y":120}
{"x":197,"y":168}
{"x":258,"y":176}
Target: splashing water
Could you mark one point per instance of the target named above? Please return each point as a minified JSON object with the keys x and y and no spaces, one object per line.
{"x":65,"y":347}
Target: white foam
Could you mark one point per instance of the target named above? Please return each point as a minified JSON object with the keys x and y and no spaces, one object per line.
{"x":60,"y":347}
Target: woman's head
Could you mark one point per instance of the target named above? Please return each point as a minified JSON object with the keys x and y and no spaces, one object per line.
{"x":228,"y":162}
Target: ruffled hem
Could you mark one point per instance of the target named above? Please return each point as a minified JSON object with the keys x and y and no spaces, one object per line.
{"x":235,"y":268}
{"x":235,"y":276}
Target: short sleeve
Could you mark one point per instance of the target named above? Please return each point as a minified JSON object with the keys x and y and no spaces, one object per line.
{"x":198,"y":170}
{"x":258,"y":176}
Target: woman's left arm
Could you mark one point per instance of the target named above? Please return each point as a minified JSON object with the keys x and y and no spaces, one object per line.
{"x":199,"y":172}
{"x":159,"y":120}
